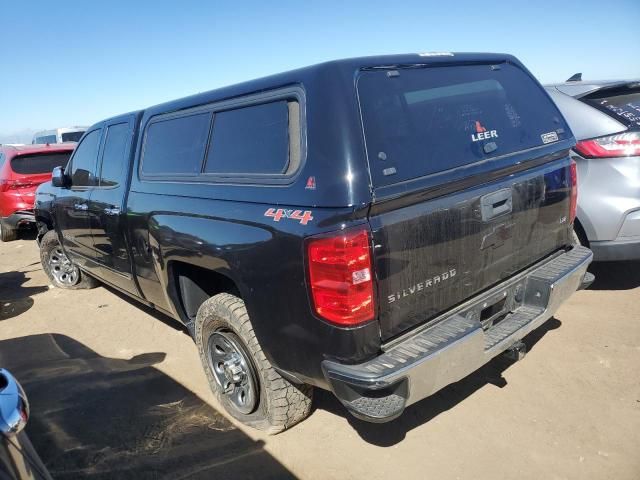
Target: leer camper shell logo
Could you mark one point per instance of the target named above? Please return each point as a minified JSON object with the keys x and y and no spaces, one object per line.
{"x":482,"y":133}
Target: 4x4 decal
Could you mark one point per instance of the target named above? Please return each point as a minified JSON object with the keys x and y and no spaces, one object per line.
{"x":303,"y":217}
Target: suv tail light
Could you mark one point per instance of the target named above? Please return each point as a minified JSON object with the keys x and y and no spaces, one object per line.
{"x":6,"y":185}
{"x":341,"y":277}
{"x":573,"y":204}
{"x":619,"y":145}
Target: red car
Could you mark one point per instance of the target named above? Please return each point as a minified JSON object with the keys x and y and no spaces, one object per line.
{"x":22,"y":169}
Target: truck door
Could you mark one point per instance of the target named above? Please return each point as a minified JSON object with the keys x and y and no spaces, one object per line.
{"x":106,"y":205}
{"x":72,"y":203}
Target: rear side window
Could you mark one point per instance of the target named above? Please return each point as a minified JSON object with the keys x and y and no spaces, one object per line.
{"x":250,"y":140}
{"x":623,"y":104}
{"x":176,"y":145}
{"x":39,"y":162}
{"x":113,"y":158}
{"x":46,"y":139}
{"x":422,"y":121}
{"x":71,"y":136}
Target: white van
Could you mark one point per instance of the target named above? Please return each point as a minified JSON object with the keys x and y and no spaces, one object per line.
{"x":59,"y":135}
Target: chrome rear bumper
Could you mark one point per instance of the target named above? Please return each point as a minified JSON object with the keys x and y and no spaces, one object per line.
{"x":460,"y":341}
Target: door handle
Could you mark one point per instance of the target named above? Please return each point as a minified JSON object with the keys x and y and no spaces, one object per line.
{"x":81,"y":206}
{"x":112,"y":211}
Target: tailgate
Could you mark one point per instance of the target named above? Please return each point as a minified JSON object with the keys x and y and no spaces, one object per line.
{"x":471,"y":179}
{"x":434,"y":254}
{"x":24,"y":186}
{"x":32,"y":169}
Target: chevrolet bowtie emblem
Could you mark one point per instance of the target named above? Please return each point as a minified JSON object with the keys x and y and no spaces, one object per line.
{"x":498,"y":236}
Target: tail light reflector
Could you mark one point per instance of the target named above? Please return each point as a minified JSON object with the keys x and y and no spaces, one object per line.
{"x":341,"y":277}
{"x":620,"y":145}
{"x":573,"y":204}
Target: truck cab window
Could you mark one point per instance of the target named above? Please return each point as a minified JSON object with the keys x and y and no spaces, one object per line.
{"x":113,"y":158}
{"x":83,"y":162}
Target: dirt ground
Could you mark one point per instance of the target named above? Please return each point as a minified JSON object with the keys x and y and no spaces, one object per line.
{"x":117,"y":391}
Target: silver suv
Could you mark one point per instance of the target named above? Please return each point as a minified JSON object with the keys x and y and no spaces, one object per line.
{"x":605,"y":119}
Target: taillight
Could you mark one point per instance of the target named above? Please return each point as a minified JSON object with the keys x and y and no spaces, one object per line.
{"x":619,"y":145}
{"x":341,"y":277}
{"x":6,"y":185}
{"x":573,"y":204}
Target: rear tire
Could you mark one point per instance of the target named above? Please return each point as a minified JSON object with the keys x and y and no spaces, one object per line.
{"x":7,"y":233}
{"x":62,"y":272}
{"x":238,"y":369}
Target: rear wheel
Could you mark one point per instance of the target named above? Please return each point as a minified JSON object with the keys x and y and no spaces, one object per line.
{"x":62,"y":272}
{"x":7,"y":233}
{"x":239,"y":373}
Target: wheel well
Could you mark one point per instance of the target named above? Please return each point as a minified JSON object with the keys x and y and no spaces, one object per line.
{"x":43,"y":225}
{"x":582,"y":236}
{"x":194,"y":285}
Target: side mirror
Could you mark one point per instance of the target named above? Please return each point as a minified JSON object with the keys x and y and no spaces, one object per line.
{"x":14,"y":407}
{"x":58,"y":178}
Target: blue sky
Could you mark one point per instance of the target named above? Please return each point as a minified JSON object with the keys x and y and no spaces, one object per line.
{"x":71,"y":63}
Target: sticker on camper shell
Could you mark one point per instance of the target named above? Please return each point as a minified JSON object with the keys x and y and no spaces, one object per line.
{"x":311,"y":183}
{"x":279,"y":213}
{"x":549,"y":137}
{"x":482,"y":133}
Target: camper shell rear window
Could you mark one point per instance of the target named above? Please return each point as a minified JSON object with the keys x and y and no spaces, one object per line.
{"x":421,"y":121}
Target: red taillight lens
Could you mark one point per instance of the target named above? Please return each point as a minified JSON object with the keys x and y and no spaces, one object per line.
{"x":619,"y":145}
{"x":573,"y":205}
{"x":341,"y":278}
{"x":6,"y":185}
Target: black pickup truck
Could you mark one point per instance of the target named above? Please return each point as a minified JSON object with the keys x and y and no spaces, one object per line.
{"x":379,"y":227}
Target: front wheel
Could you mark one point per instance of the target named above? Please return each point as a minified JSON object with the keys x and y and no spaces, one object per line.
{"x":62,"y":272}
{"x":239,"y":373}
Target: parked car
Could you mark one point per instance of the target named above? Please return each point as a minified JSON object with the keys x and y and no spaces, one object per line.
{"x":605,"y":118}
{"x":22,"y":169}
{"x":59,"y":135}
{"x":380,"y":238}
{"x":18,"y":458}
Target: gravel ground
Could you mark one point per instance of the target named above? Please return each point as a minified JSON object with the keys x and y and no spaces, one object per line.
{"x":117,"y":392}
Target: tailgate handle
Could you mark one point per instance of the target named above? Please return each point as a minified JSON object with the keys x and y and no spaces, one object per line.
{"x":496,"y":203}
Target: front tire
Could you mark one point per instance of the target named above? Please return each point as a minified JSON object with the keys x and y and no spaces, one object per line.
{"x":239,"y":374}
{"x":62,"y":272}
